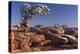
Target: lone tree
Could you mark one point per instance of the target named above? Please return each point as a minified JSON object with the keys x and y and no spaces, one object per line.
{"x":30,"y":11}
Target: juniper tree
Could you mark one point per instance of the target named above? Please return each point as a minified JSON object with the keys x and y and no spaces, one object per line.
{"x":30,"y":11}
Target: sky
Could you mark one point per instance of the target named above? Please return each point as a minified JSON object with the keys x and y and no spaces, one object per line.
{"x":59,"y":14}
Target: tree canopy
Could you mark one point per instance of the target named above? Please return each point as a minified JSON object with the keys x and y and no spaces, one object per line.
{"x":32,"y":10}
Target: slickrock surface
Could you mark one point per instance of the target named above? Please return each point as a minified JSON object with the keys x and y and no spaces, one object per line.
{"x":41,"y":40}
